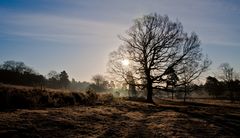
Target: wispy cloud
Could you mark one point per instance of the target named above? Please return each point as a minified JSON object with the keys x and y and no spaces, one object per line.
{"x":60,"y":28}
{"x":98,"y":20}
{"x":96,"y":24}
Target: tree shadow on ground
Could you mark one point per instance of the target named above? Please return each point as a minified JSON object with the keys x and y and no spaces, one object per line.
{"x":124,"y":118}
{"x":185,"y":119}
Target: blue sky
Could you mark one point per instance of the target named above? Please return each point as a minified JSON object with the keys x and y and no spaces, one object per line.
{"x":77,"y":35}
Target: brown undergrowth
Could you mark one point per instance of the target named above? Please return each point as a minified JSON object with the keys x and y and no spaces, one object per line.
{"x":116,"y":118}
{"x":15,"y":98}
{"x":123,"y":118}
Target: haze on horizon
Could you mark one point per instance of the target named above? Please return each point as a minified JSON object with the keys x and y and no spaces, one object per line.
{"x":77,"y":36}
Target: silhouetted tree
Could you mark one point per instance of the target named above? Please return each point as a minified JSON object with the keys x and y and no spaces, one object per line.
{"x":172,"y":80}
{"x":227,"y":72}
{"x":98,"y":79}
{"x":79,"y":86}
{"x":227,"y":76}
{"x":83,"y":85}
{"x":17,"y":66}
{"x":131,"y":85}
{"x":100,"y":83}
{"x":14,"y":72}
{"x":234,"y":88}
{"x":63,"y":79}
{"x":53,"y":74}
{"x":153,"y":45}
{"x":53,"y":79}
{"x":73,"y":84}
{"x":191,"y":68}
{"x":214,"y":87}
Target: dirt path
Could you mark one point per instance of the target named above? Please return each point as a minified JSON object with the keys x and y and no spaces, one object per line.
{"x":123,"y":119}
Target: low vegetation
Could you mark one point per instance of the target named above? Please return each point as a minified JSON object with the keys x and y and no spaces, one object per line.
{"x":12,"y":98}
{"x":125,"y":118}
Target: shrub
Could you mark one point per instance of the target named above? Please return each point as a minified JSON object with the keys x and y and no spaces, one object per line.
{"x":91,"y":97}
{"x":80,"y":98}
{"x":106,"y":98}
{"x":67,"y":99}
{"x":17,"y":98}
{"x":33,"y":98}
{"x":3,"y":98}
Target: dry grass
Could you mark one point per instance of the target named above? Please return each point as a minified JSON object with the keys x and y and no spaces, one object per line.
{"x":15,"y":98}
{"x":91,"y":115}
{"x":29,"y":88}
{"x":124,"y":118}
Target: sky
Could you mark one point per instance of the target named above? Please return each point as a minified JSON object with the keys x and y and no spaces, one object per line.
{"x":77,"y":35}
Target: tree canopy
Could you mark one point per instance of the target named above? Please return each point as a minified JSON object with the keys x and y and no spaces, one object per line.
{"x":154,"y":45}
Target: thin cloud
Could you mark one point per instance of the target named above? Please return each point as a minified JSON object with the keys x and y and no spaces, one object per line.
{"x":93,"y":26}
{"x":61,"y":29}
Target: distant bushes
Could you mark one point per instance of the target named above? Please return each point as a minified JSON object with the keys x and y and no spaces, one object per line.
{"x":21,"y":98}
{"x":223,"y":89}
{"x":105,"y":98}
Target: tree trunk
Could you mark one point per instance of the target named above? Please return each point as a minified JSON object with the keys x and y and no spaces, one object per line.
{"x":185,"y":93}
{"x":231,"y":92}
{"x":231,"y":96}
{"x":149,"y":92}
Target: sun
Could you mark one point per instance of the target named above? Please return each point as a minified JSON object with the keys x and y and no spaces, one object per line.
{"x":125,"y":62}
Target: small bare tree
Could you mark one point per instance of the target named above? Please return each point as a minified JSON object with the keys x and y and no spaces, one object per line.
{"x":172,"y":80}
{"x":191,"y":69}
{"x":228,"y":76}
{"x":227,"y":73}
{"x":98,"y":80}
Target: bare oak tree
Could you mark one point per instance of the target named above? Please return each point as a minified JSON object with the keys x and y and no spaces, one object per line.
{"x":153,"y":46}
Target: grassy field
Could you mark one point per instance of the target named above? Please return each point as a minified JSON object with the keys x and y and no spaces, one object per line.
{"x":124,"y":118}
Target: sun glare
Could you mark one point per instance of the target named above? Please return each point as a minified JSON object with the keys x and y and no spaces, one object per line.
{"x":125,"y":62}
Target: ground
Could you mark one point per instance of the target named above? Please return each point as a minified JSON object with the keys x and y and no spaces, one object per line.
{"x":124,"y":118}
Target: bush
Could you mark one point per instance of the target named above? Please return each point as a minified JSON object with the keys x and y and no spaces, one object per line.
{"x":79,"y":98}
{"x":91,"y":97}
{"x":3,"y":98}
{"x":33,"y":98}
{"x":105,"y":98}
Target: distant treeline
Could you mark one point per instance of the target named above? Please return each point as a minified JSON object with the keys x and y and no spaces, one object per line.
{"x":226,"y":89}
{"x":17,"y":73}
{"x":13,"y":72}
